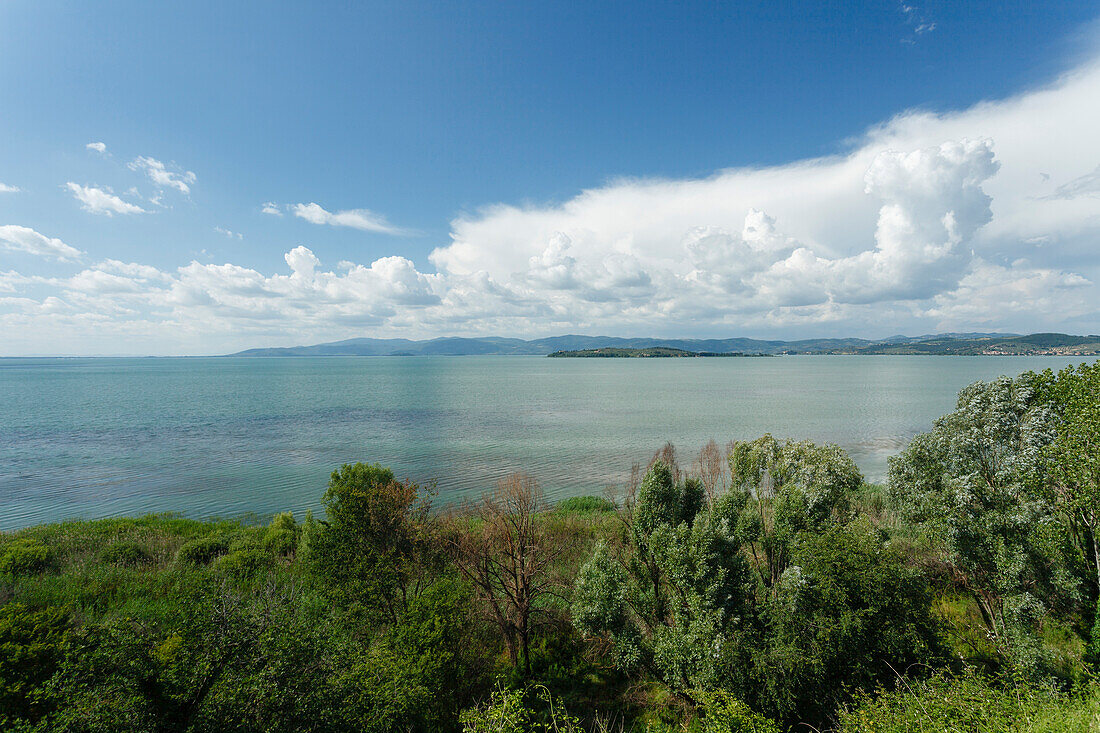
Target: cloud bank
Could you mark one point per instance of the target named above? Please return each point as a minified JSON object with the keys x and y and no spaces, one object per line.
{"x":982,"y":219}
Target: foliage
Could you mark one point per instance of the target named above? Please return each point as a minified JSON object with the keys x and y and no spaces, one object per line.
{"x":376,"y":550}
{"x":666,"y":597}
{"x":24,"y":556}
{"x":506,"y":711}
{"x":846,"y":614}
{"x":413,"y":676}
{"x":785,"y":489}
{"x":31,"y":645}
{"x":203,"y":550}
{"x":977,"y":480}
{"x":1074,"y":464}
{"x":585,"y":504}
{"x":307,"y":538}
{"x":724,"y":713}
{"x":970,"y":702}
{"x":127,"y":552}
{"x":506,"y":555}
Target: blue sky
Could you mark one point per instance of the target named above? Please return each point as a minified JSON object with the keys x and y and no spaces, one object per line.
{"x":506,"y":138}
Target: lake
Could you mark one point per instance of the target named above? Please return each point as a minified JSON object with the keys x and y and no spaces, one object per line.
{"x":229,"y":436}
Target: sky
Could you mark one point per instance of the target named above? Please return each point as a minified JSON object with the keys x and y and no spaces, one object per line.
{"x":204,"y":177}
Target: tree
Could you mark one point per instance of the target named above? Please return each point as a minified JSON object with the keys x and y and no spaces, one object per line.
{"x":976,"y":480}
{"x":786,"y":489}
{"x":710,"y":466}
{"x":377,"y":546}
{"x":500,"y":548}
{"x":847,"y":614}
{"x":669,"y":594}
{"x":1074,"y":468}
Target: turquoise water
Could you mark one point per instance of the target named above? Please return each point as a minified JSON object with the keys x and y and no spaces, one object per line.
{"x":224,"y":436}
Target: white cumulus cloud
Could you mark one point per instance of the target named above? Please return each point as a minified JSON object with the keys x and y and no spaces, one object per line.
{"x":362,"y":219}
{"x":97,"y":147}
{"x":24,"y":239}
{"x":160,"y":174}
{"x":5,"y":188}
{"x":102,"y":201}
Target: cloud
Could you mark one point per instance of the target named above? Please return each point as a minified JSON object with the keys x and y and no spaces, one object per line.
{"x":914,"y":17}
{"x":228,"y":233}
{"x":5,"y":188}
{"x":101,"y":201}
{"x":163,"y":177}
{"x":1086,"y":185}
{"x":272,"y":208}
{"x":24,"y":239}
{"x":361,"y":219}
{"x":100,"y":148}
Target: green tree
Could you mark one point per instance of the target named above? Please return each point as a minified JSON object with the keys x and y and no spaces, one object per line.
{"x":1074,"y":465}
{"x":977,"y":481}
{"x":786,"y":489}
{"x":414,"y":676}
{"x":670,"y":592}
{"x":377,"y":548}
{"x":847,"y":614}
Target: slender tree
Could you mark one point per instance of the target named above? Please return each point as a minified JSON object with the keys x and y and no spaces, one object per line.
{"x":498,"y":545}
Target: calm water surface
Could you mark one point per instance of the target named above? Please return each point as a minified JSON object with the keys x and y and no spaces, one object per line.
{"x":229,"y":436}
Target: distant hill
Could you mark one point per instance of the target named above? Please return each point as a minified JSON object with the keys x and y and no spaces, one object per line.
{"x":953,"y":343}
{"x":649,"y":353}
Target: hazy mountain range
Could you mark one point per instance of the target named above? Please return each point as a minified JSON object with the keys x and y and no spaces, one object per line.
{"x":944,"y":343}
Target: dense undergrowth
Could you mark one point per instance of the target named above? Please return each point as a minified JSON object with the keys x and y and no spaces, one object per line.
{"x":762,"y":588}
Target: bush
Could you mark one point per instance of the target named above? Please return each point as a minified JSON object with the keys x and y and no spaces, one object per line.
{"x":24,"y":556}
{"x":31,"y":645}
{"x":723,"y":713}
{"x":506,"y":712}
{"x":971,"y":703}
{"x":285,"y":521}
{"x":202,"y":551}
{"x":307,"y":538}
{"x":586,"y":504}
{"x":243,"y":563}
{"x":280,"y":542}
{"x":126,"y":553}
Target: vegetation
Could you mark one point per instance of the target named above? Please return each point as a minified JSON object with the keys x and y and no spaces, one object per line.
{"x":766,"y":588}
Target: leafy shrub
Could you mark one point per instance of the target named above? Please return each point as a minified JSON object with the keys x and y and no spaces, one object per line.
{"x":24,"y":556}
{"x":202,"y":551}
{"x":243,"y":563}
{"x":723,"y":713}
{"x":307,"y":537}
{"x":506,"y":712}
{"x":31,"y":645}
{"x":280,"y":541}
{"x":971,"y":703}
{"x":126,"y":553}
{"x":285,"y":521}
{"x":586,"y":504}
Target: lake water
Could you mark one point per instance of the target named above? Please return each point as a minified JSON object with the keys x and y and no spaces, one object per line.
{"x":230,"y":436}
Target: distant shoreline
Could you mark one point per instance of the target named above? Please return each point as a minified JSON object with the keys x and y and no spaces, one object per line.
{"x":961,"y":344}
{"x":658,"y":352}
